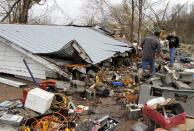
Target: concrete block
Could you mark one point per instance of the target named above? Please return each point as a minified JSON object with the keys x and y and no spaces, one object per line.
{"x":39,"y":100}
{"x":78,"y":85}
{"x":133,"y":111}
{"x":90,"y":94}
{"x":186,"y":77}
{"x":182,"y":85}
{"x":144,"y":94}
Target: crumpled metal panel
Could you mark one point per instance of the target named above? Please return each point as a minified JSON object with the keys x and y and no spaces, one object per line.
{"x":40,"y":39}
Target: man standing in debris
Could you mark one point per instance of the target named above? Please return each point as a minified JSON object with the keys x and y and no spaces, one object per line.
{"x":151,"y":47}
{"x":173,"y":44}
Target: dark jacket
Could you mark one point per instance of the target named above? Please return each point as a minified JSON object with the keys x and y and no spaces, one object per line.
{"x":151,"y":46}
{"x":173,"y":41}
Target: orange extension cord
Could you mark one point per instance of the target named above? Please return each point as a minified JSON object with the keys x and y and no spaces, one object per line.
{"x":39,"y":124}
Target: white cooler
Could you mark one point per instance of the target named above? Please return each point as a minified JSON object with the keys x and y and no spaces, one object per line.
{"x":39,"y":100}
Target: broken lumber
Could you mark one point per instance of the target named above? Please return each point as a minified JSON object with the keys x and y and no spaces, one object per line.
{"x":12,"y":83}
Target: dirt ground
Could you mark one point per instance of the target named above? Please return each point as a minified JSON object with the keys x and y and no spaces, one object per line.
{"x":12,"y":93}
{"x":101,"y":106}
{"x":106,"y":106}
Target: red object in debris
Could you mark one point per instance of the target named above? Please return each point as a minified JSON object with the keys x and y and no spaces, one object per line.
{"x":186,"y":65}
{"x":79,"y":110}
{"x":161,"y":120}
{"x":43,"y":85}
{"x":25,"y":92}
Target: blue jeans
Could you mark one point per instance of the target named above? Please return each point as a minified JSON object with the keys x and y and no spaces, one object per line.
{"x":151,"y":62}
{"x":172,"y":54}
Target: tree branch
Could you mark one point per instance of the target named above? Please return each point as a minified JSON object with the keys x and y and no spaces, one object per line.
{"x":173,"y":17}
{"x":163,"y":17}
{"x":10,"y":10}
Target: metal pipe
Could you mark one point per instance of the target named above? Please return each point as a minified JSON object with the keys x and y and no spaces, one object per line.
{"x":35,"y":82}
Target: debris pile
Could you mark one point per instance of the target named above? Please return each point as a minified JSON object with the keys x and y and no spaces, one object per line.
{"x":160,"y":100}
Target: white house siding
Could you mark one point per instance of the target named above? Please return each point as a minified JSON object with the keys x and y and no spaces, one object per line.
{"x":11,"y":62}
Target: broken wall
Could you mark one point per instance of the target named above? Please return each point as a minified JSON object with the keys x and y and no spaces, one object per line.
{"x":11,"y":62}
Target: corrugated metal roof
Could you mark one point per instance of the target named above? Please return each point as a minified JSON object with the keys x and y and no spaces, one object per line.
{"x":48,"y":39}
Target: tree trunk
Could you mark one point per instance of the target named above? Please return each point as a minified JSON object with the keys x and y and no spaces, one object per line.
{"x":140,"y":19}
{"x":23,"y":18}
{"x":132,"y":21}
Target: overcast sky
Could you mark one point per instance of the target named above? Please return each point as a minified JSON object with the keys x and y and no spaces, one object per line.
{"x":71,"y":9}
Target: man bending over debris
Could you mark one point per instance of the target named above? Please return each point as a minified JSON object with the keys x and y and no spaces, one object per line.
{"x":151,"y":46}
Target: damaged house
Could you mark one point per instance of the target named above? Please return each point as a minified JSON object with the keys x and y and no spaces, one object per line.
{"x":48,"y":49}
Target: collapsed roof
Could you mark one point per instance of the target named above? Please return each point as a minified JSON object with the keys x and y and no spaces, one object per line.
{"x":49,"y":39}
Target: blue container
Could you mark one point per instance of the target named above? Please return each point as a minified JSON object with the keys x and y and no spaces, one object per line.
{"x":117,"y":83}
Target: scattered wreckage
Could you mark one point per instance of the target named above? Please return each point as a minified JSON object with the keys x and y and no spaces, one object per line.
{"x":103,"y":91}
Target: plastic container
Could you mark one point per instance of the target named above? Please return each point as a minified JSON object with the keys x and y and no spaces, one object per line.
{"x":39,"y":100}
{"x":166,"y":123}
{"x":117,"y":84}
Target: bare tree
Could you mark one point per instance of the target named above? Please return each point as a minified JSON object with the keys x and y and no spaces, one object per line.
{"x":94,"y":12}
{"x":179,"y":9}
{"x":140,"y":8}
{"x":161,"y":17}
{"x":17,"y":10}
{"x":132,"y":20}
{"x":41,"y":19}
{"x":138,"y":16}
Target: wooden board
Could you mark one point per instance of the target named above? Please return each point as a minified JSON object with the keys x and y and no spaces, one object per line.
{"x":12,"y":83}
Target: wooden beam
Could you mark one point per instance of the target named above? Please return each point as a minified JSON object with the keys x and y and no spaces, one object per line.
{"x":81,"y":52}
{"x":12,"y":83}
